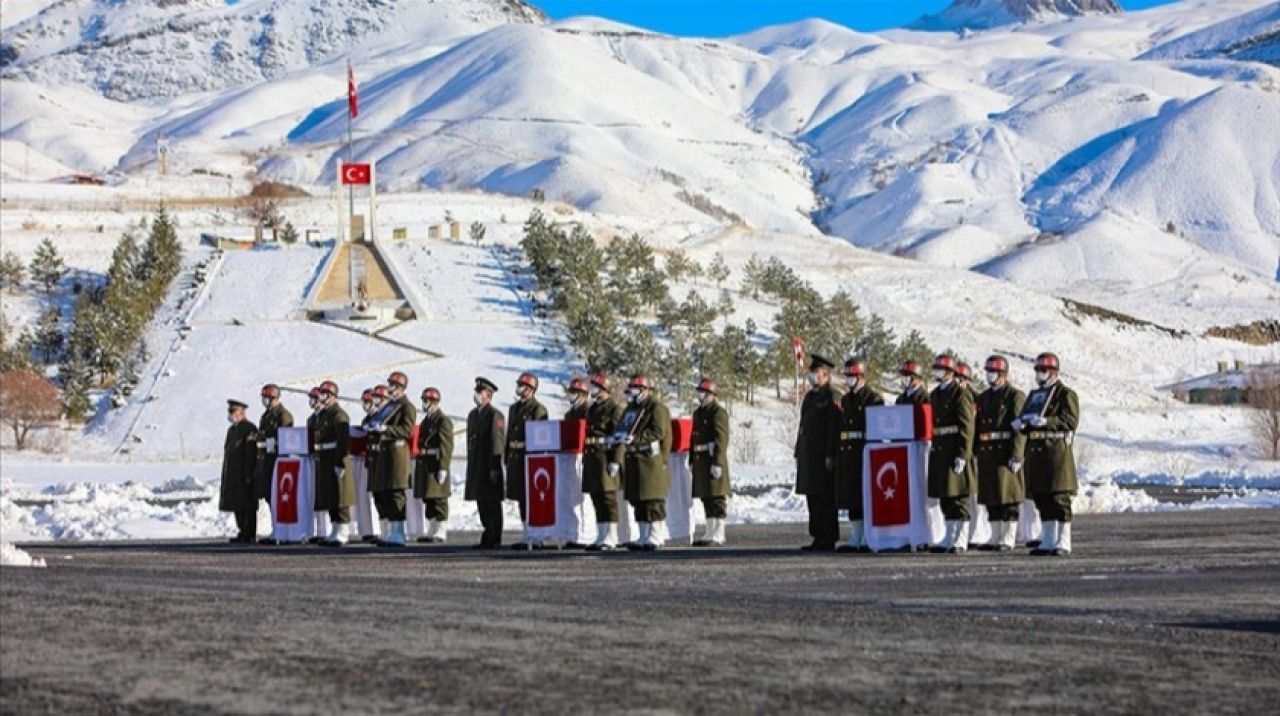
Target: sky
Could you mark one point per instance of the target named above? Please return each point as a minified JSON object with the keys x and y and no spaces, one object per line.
{"x":717,"y":18}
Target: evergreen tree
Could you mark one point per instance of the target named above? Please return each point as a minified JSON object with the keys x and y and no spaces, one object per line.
{"x":47,"y":268}
{"x":718,"y":271}
{"x":77,"y":381}
{"x":878,"y":348}
{"x":47,"y":339}
{"x":11,"y":271}
{"x":161,"y":257}
{"x":289,"y":234}
{"x":477,"y":232}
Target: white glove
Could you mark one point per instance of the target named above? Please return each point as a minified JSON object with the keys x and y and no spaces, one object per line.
{"x":442,"y":476}
{"x":628,"y":439}
{"x":1015,"y":465}
{"x":1017,"y":424}
{"x":1039,"y":421}
{"x":338,"y":471}
{"x":375,"y":427}
{"x":958,"y":466}
{"x":716,"y":472}
{"x":613,"y":469}
{"x":271,"y":444}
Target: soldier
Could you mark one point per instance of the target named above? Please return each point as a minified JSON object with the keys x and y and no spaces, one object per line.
{"x":1000,"y":450}
{"x":525,"y":408}
{"x":709,"y":462}
{"x":1051,"y":466}
{"x":431,"y":474}
{"x":313,"y":402}
{"x":912,"y":380}
{"x":950,"y":453}
{"x":335,"y":486}
{"x":964,"y":376}
{"x":274,"y":417}
{"x":646,"y":434}
{"x":392,"y":427}
{"x":486,"y":437}
{"x":602,"y":463}
{"x":577,"y":394}
{"x":815,"y":455}
{"x":852,"y":438}
{"x":239,"y":461}
{"x":370,"y":400}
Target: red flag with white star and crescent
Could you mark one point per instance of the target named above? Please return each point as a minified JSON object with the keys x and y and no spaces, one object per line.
{"x":353,"y":101}
{"x":887,"y":471}
{"x":287,"y":474}
{"x":541,"y":485}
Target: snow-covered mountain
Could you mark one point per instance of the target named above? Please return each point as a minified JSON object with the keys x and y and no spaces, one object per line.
{"x":1124,"y":159}
{"x":983,"y":14}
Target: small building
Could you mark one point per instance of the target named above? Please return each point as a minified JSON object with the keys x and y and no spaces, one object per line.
{"x":232,"y":241}
{"x":1226,"y":386}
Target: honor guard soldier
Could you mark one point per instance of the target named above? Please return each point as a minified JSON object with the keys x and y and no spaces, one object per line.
{"x":815,"y":455}
{"x":525,"y":408}
{"x":912,"y":382}
{"x":1050,"y":464}
{"x":239,"y":463}
{"x":709,"y":462}
{"x":370,"y":401}
{"x":313,"y":402}
{"x":852,"y":438}
{"x":647,"y":476}
{"x":950,"y":454}
{"x":392,"y":427}
{"x":999,"y":454}
{"x":602,"y":463}
{"x":577,"y":395}
{"x":335,"y":486}
{"x":431,"y":474}
{"x":274,"y":417}
{"x":486,"y":440}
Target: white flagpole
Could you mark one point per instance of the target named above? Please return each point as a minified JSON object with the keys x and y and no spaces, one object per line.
{"x":351,"y":189}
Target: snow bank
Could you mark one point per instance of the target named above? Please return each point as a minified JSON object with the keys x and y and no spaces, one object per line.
{"x":11,"y":556}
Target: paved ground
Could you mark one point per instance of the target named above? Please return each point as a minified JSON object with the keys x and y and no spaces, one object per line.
{"x":1155,"y":613}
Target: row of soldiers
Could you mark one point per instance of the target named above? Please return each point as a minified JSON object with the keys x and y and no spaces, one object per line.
{"x":627,"y":450}
{"x":982,"y":446}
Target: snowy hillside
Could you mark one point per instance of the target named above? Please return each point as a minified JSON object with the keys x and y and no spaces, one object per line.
{"x":986,"y":14}
{"x":1252,"y":36}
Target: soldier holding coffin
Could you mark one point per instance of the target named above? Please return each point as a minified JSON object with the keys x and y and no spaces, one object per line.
{"x":851,"y":439}
{"x":1049,"y":420}
{"x":815,"y":455}
{"x":999,"y":453}
{"x":486,"y":440}
{"x":335,"y":485}
{"x":709,"y":462}
{"x":602,"y":463}
{"x":431,"y":473}
{"x":646,"y":434}
{"x":950,"y":454}
{"x":371,"y":400}
{"x":274,"y":417}
{"x":391,"y":428}
{"x":313,"y":402}
{"x":525,"y":409}
{"x":239,"y":462}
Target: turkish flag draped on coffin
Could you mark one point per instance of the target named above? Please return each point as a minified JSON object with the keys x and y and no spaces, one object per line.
{"x":541,"y":474}
{"x":890,"y":486}
{"x":288,"y":473}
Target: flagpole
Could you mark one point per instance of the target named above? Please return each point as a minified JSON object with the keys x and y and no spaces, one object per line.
{"x":351,"y":189}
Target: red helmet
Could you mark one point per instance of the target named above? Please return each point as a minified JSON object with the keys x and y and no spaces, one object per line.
{"x":997,"y":364}
{"x":944,"y":362}
{"x":600,"y":380}
{"x":640,"y":381}
{"x":1047,"y":361}
{"x":367,"y":395}
{"x":911,"y":368}
{"x":398,"y":379}
{"x":854,"y":368}
{"x":329,"y":387}
{"x":381,"y":392}
{"x":577,"y":385}
{"x":431,"y":394}
{"x":314,"y":393}
{"x":706,"y":386}
{"x":964,"y":371}
{"x":528,"y":379}
{"x":271,"y":390}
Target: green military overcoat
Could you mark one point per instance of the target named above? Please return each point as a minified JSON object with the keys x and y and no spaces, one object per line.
{"x":710,"y":446}
{"x":851,"y":438}
{"x":269,"y":426}
{"x":521,"y":412}
{"x":486,"y":442}
{"x":647,"y":476}
{"x":1050,"y":466}
{"x":335,"y":486}
{"x":603,"y":417}
{"x":239,"y":463}
{"x":815,"y":441}
{"x":435,"y":453}
{"x":953,"y":420}
{"x":393,"y":466}
{"x":997,"y":443}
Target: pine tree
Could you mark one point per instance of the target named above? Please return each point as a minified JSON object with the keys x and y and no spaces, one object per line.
{"x":477,"y":231}
{"x":48,"y":339}
{"x":718,"y":271}
{"x":289,"y":234}
{"x":77,"y":380}
{"x":11,"y":271}
{"x":47,"y":268}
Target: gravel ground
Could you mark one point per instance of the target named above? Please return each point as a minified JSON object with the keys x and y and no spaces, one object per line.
{"x":1174,"y":612}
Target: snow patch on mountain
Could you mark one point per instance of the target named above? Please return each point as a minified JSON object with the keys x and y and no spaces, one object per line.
{"x":985,"y":14}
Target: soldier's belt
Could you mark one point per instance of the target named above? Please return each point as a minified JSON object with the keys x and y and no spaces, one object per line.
{"x":650,"y":449}
{"x":852,"y":435}
{"x":326,"y":446}
{"x":1047,"y":435}
{"x":947,"y":430}
{"x":515,"y":445}
{"x":705,"y":447}
{"x":595,"y":441}
{"x":432,"y":452}
{"x":991,"y":437}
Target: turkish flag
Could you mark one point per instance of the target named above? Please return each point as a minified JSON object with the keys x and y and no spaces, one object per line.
{"x":540,"y":488}
{"x":797,"y":346}
{"x":353,"y":102}
{"x":288,"y":471}
{"x":890,"y":486}
{"x":356,"y":173}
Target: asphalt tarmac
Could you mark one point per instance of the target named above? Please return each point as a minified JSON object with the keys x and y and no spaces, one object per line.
{"x":1155,"y":613}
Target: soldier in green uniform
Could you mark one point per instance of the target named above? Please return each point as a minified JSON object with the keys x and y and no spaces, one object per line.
{"x":851,"y":439}
{"x":335,"y":485}
{"x":709,"y":462}
{"x":950,"y":454}
{"x":313,"y":402}
{"x":525,"y":408}
{"x":645,"y":432}
{"x":815,"y":455}
{"x":239,"y":461}
{"x":1051,"y":466}
{"x":999,"y":454}
{"x":392,"y":426}
{"x":274,"y":417}
{"x":578,"y":404}
{"x":486,"y":440}
{"x":912,"y":381}
{"x":964,"y":376}
{"x":431,"y":474}
{"x":371,"y":400}
{"x":602,"y":463}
